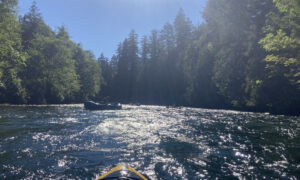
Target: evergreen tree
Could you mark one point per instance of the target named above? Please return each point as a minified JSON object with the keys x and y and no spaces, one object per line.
{"x":89,"y":74}
{"x":167,"y":37}
{"x":32,"y":25}
{"x":144,"y":73}
{"x":245,"y":56}
{"x":198,"y":67}
{"x":127,"y":68}
{"x":168,"y":63}
{"x":235,"y":29}
{"x":107,"y":74}
{"x":154,"y":71}
{"x":183,"y":37}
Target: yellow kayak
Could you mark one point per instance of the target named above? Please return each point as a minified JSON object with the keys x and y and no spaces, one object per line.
{"x":123,"y":172}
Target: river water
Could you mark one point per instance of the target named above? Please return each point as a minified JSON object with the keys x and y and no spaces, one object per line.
{"x":68,"y":142}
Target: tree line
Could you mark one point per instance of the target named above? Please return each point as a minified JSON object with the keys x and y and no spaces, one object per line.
{"x":39,"y":65}
{"x":244,"y":56}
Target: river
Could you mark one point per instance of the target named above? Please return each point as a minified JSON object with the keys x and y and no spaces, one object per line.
{"x":68,"y":142}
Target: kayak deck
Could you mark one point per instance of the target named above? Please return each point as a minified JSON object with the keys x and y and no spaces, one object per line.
{"x":122,"y":171}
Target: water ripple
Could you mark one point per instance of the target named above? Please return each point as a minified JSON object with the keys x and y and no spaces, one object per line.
{"x":66,"y":141}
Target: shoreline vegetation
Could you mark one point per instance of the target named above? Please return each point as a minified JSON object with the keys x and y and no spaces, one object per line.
{"x":245,"y":57}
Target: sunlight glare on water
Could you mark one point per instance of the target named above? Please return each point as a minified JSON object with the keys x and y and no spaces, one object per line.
{"x":66,"y":141}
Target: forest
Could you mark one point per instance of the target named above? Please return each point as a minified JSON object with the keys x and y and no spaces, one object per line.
{"x":244,"y":56}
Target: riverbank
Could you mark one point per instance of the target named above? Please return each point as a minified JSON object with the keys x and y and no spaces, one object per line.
{"x":252,"y":110}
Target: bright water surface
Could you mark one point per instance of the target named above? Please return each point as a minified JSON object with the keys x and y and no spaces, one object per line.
{"x":68,"y":142}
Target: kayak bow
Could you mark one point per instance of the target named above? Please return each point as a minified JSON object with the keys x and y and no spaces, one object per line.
{"x":122,"y":171}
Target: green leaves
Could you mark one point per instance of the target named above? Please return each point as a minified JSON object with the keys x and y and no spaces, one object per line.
{"x":289,"y":7}
{"x":245,"y":56}
{"x":44,"y":71}
{"x":280,"y":41}
{"x":50,"y":61}
{"x":11,"y":56}
{"x":280,"y":60}
{"x":283,"y":45}
{"x":89,"y":74}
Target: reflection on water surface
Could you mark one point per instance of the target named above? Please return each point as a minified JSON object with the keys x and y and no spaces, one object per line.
{"x":67,"y":141}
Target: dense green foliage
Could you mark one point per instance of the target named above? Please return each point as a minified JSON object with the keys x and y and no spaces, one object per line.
{"x":244,"y":56}
{"x":11,"y":56}
{"x":39,"y":65}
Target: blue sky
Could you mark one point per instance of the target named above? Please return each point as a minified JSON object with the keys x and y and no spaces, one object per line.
{"x":99,"y":25}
